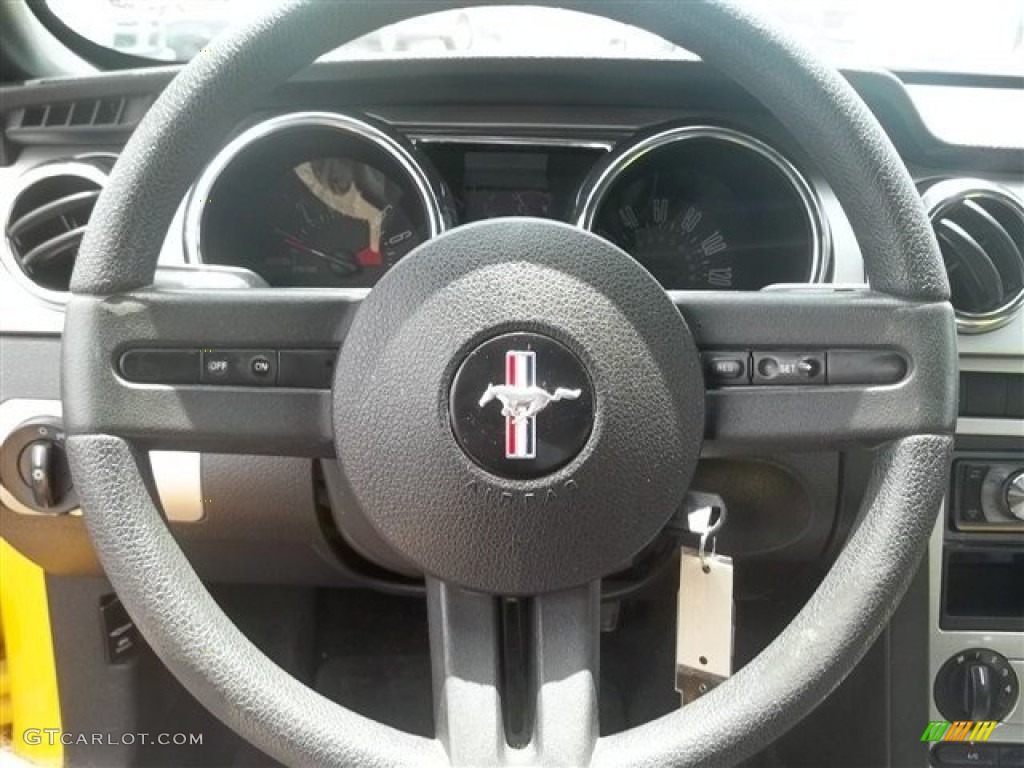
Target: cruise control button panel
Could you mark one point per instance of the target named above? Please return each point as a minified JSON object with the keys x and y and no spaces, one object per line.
{"x":789,"y":367}
{"x":727,"y":369}
{"x":212,"y":366}
{"x":161,"y":366}
{"x":240,"y":367}
{"x":306,"y":368}
{"x":865,"y":366}
{"x":314,"y":368}
{"x":807,"y":367}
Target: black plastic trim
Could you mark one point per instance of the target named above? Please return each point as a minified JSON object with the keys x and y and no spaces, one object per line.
{"x":684,"y":85}
{"x":922,"y":333}
{"x":298,"y":422}
{"x":992,"y":395}
{"x":907,"y":673}
{"x":982,"y":290}
{"x":52,"y":247}
{"x":50,"y":210}
{"x":271,"y":421}
{"x":951,"y":622}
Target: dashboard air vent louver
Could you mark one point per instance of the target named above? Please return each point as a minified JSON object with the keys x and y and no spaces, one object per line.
{"x":47,"y":220}
{"x":980,"y":229}
{"x":83,"y":112}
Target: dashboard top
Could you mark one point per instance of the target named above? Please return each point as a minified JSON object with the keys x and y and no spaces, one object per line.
{"x":537,"y":82}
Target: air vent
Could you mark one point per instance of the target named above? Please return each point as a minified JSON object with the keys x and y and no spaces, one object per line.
{"x":80,"y":113}
{"x":46,"y":222}
{"x":980,"y":229}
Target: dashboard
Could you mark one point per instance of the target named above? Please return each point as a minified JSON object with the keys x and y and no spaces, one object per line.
{"x":344,"y":171}
{"x":323,"y":199}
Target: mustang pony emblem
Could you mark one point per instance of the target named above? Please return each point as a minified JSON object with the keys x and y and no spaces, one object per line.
{"x":521,"y":400}
{"x":520,"y":403}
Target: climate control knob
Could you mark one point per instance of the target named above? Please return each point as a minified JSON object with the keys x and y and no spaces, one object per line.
{"x":976,"y":684}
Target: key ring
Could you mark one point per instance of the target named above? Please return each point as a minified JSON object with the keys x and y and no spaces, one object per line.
{"x":699,"y":509}
{"x":702,"y":552}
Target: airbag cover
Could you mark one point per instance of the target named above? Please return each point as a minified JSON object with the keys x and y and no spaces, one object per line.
{"x":428,"y":497}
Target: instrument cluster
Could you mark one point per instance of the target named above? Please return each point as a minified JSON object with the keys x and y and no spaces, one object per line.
{"x":319,"y":199}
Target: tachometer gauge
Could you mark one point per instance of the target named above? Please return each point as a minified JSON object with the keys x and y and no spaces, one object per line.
{"x":336,"y":222}
{"x":708,"y":208}
{"x":314,"y":200}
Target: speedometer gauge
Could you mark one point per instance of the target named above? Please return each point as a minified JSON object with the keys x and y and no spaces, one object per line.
{"x":708,"y":209}
{"x":677,"y":232}
{"x":314,"y":200}
{"x":690,"y":246}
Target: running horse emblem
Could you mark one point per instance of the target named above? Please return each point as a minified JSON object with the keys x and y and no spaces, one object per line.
{"x":519,"y":403}
{"x":521,"y":400}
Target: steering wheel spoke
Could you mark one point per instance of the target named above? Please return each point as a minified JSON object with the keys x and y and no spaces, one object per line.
{"x":822,"y":366}
{"x":525,"y":676}
{"x":217,"y":370}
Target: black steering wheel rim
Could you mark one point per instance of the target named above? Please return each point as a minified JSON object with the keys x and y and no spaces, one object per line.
{"x":257,"y":699}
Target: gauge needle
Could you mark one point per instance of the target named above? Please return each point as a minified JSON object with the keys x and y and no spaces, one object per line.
{"x":368,"y":257}
{"x":294,"y":242}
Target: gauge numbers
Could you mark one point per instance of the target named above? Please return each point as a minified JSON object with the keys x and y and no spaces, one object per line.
{"x":678,"y":238}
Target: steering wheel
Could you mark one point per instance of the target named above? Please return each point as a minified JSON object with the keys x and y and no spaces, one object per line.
{"x":413,"y":363}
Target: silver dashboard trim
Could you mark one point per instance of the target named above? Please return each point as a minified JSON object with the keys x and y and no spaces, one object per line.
{"x":938,"y":199}
{"x":71,"y":167}
{"x":990,"y":364}
{"x":967,"y":425}
{"x":511,"y":141}
{"x":594,"y":191}
{"x":945,"y":643}
{"x":275,"y":125}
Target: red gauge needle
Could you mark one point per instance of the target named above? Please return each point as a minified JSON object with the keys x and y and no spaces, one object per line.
{"x":294,"y":242}
{"x":365,"y":258}
{"x":368,"y":257}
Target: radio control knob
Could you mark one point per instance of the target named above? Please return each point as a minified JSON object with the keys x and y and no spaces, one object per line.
{"x":1013,"y":494}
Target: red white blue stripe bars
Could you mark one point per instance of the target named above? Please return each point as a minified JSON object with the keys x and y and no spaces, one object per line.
{"x":520,"y":434}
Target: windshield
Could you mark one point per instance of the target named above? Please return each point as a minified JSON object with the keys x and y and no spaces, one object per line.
{"x":979,"y":37}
